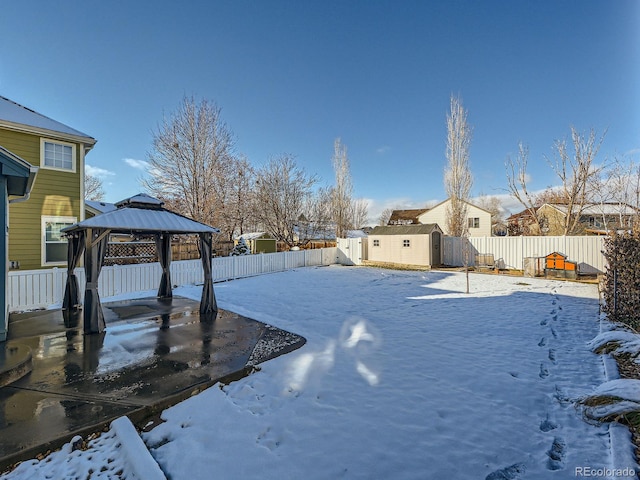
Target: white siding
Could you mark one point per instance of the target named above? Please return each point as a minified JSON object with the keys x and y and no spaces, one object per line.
{"x":391,"y":249}
{"x":438,"y":214}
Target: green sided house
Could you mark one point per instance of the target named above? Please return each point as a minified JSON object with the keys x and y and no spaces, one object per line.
{"x":57,"y":197}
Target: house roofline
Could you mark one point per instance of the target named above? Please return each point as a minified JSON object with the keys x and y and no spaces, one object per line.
{"x":19,"y":127}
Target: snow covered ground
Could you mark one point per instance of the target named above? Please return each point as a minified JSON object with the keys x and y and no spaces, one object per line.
{"x":403,"y":376}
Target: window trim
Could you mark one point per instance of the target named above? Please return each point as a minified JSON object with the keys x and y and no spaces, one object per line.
{"x":43,"y":239}
{"x":473,"y":222}
{"x":73,"y":168}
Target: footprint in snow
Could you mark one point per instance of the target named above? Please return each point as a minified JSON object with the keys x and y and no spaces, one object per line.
{"x":544,"y":321}
{"x":542,"y":342}
{"x":547,"y":425}
{"x":552,"y":355}
{"x":556,"y":454}
{"x":544,"y":373}
{"x":511,"y":472}
{"x":554,"y":333}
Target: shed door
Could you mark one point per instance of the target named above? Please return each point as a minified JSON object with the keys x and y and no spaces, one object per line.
{"x":436,"y":252}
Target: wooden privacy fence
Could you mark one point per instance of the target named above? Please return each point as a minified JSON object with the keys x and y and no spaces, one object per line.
{"x":510,"y":252}
{"x":30,"y":289}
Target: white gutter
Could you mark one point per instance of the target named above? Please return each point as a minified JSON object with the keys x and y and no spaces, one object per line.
{"x":30,"y":181}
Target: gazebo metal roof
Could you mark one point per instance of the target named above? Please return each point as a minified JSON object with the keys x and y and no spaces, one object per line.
{"x":141,"y":214}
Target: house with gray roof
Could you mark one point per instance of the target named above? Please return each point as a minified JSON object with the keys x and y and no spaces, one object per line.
{"x":57,"y":198}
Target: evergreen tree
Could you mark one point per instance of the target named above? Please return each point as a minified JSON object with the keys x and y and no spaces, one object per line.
{"x":241,"y":248}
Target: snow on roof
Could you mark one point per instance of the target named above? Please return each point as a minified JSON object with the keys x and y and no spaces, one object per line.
{"x":404,"y":229}
{"x":142,"y":213}
{"x":15,"y":113}
{"x":599,"y":208}
{"x":356,"y":234}
{"x":253,"y":235}
{"x":100,"y":207}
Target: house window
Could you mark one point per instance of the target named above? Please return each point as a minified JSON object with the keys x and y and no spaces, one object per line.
{"x":406,"y":243}
{"x":376,"y":243}
{"x":54,"y":244}
{"x":474,"y":222}
{"x":57,"y":155}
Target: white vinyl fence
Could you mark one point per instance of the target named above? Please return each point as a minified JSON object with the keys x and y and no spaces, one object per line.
{"x":351,"y":251}
{"x":29,"y":289}
{"x":511,"y":251}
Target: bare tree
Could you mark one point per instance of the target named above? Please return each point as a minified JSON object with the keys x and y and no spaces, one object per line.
{"x":235,"y":197}
{"x":93,"y":188}
{"x":517,"y":184}
{"x":342,"y":191}
{"x":315,"y":221}
{"x":617,"y":189}
{"x":457,"y":175}
{"x":493,"y":205}
{"x":348,"y":213}
{"x":191,"y":154}
{"x":360,"y":213}
{"x":575,"y":170}
{"x":283,"y":192}
{"x":385,"y":216}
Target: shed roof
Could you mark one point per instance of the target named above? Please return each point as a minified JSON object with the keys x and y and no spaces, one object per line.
{"x":13,"y":113}
{"x":142,"y":214}
{"x":421,"y":229}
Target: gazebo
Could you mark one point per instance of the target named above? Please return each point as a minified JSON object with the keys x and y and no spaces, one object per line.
{"x":142,"y":215}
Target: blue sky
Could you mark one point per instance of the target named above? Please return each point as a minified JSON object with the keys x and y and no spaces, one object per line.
{"x":291,"y":76}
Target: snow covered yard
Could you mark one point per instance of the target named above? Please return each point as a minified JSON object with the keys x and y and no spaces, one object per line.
{"x":403,"y":376}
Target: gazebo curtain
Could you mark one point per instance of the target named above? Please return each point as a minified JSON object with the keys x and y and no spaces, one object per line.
{"x":95,"y":250}
{"x":163,"y":247}
{"x":75,"y":248}
{"x":208,"y":304}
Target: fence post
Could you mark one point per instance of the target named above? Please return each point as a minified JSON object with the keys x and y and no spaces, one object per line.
{"x":54,"y":284}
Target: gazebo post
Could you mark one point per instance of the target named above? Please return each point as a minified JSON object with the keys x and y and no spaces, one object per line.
{"x":208,"y":304}
{"x":94,"y":253}
{"x":163,"y":247}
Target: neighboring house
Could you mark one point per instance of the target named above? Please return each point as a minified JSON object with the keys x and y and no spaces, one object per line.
{"x":57,"y":200}
{"x":259,"y":242}
{"x":406,"y":217}
{"x":478,"y":219}
{"x":594,"y":219}
{"x":406,"y":244}
{"x":96,"y":207}
{"x":522,"y":224}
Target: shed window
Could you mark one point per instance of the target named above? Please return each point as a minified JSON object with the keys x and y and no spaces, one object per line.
{"x":376,"y":243}
{"x":54,"y":245}
{"x":406,"y":243}
{"x":474,"y":222}
{"x":57,"y":155}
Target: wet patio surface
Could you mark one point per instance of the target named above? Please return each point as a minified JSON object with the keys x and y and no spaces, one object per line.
{"x":153,"y":354}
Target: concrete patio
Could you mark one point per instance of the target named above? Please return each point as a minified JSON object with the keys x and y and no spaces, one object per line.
{"x":153,"y":354}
